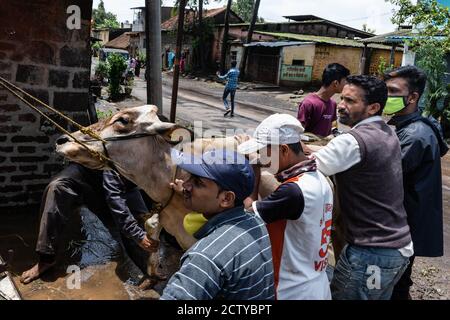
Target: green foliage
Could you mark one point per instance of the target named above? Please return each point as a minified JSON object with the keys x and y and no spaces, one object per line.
{"x":117,"y":66}
{"x":142,"y":57}
{"x":244,"y":9}
{"x":428,"y":16}
{"x":101,"y":70}
{"x":104,"y":114}
{"x":103,"y":19}
{"x":96,"y":46}
{"x":129,"y":82}
{"x":383,"y":66}
{"x":431,"y":20}
{"x":431,"y":59}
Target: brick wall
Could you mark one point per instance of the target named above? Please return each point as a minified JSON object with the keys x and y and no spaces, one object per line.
{"x":42,"y":56}
{"x":375,"y":59}
{"x":326,"y":54}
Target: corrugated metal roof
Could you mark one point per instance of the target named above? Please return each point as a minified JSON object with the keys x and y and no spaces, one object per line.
{"x":385,"y":38}
{"x":327,"y":40}
{"x":277,"y":44}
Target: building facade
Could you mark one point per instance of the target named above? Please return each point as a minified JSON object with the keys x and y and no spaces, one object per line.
{"x":51,"y":61}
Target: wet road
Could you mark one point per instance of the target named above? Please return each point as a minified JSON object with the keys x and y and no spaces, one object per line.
{"x":202,"y":101}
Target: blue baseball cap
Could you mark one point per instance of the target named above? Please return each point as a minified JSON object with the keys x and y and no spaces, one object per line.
{"x":228,"y":169}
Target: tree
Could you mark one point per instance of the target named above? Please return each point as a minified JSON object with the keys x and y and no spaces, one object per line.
{"x":431,"y":42}
{"x":255,"y":11}
{"x":244,"y":9}
{"x":225,"y":37}
{"x":431,"y":59}
{"x":430,"y":18}
{"x":116,"y":67}
{"x":365,"y":28}
{"x":201,"y":35}
{"x":103,"y":19}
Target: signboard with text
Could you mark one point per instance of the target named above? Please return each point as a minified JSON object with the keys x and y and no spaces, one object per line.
{"x":296,"y":73}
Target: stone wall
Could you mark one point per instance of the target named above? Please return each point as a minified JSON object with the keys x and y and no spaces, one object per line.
{"x":40,"y":54}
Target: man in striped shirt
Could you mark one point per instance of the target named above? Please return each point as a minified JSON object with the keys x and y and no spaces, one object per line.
{"x":232,"y":259}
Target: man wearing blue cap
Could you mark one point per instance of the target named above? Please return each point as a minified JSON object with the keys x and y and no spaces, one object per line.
{"x":232,"y":259}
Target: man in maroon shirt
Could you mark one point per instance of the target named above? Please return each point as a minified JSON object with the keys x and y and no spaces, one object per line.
{"x":317,"y":111}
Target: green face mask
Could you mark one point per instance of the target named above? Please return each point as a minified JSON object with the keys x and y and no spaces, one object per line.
{"x":394,"y":105}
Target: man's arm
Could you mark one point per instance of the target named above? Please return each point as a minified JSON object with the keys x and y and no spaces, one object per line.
{"x":413,"y":152}
{"x":199,"y":278}
{"x":223,"y":77}
{"x":339,"y":155}
{"x":305,"y":111}
{"x":116,"y":199}
{"x":254,"y":196}
{"x":285,"y":203}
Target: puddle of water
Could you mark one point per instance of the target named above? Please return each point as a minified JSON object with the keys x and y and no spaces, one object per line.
{"x":106,"y":273}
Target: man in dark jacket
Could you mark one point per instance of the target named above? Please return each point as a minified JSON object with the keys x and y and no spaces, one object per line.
{"x":99,"y":191}
{"x":422,"y":148}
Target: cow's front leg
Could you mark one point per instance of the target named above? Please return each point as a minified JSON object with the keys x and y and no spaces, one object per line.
{"x":153,"y":228}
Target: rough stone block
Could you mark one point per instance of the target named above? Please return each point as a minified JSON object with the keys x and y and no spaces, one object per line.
{"x":71,"y":101}
{"x":30,"y":74}
{"x":59,"y":79}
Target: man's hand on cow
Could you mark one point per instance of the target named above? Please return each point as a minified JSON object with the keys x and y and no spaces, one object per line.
{"x":248,"y":203}
{"x":306,"y":149}
{"x":149,"y":245}
{"x":177,"y":186}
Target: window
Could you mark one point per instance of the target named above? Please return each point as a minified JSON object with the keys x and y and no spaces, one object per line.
{"x":298,"y":63}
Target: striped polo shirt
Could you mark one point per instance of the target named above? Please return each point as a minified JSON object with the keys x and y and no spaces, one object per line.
{"x":232,"y":260}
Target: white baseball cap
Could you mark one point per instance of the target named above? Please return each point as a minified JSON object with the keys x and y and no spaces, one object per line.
{"x":277,"y":129}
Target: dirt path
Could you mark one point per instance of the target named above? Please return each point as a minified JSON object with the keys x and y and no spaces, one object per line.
{"x":432,"y":275}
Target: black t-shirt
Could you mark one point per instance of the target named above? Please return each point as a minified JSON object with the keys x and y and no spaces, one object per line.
{"x":285,"y":203}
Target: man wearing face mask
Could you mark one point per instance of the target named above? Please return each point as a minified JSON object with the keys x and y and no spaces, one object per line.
{"x":366,"y":163}
{"x":422,"y":147}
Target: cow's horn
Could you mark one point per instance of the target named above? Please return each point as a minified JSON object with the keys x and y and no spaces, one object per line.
{"x":165,"y":129}
{"x":162,"y":127}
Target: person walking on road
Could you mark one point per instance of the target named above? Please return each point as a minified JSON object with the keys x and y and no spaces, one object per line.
{"x":232,"y":78}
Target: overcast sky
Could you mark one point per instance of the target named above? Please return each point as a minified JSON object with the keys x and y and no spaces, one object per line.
{"x":354,"y":13}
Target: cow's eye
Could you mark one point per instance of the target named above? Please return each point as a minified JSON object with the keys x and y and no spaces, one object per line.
{"x":122,"y":120}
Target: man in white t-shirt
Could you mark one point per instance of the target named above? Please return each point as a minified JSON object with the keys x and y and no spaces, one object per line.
{"x":298,"y":214}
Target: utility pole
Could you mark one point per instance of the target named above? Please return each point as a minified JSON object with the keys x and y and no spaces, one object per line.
{"x":176,"y":71}
{"x":202,"y":37}
{"x":225,"y":38}
{"x":153,"y":68}
{"x":251,"y":28}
